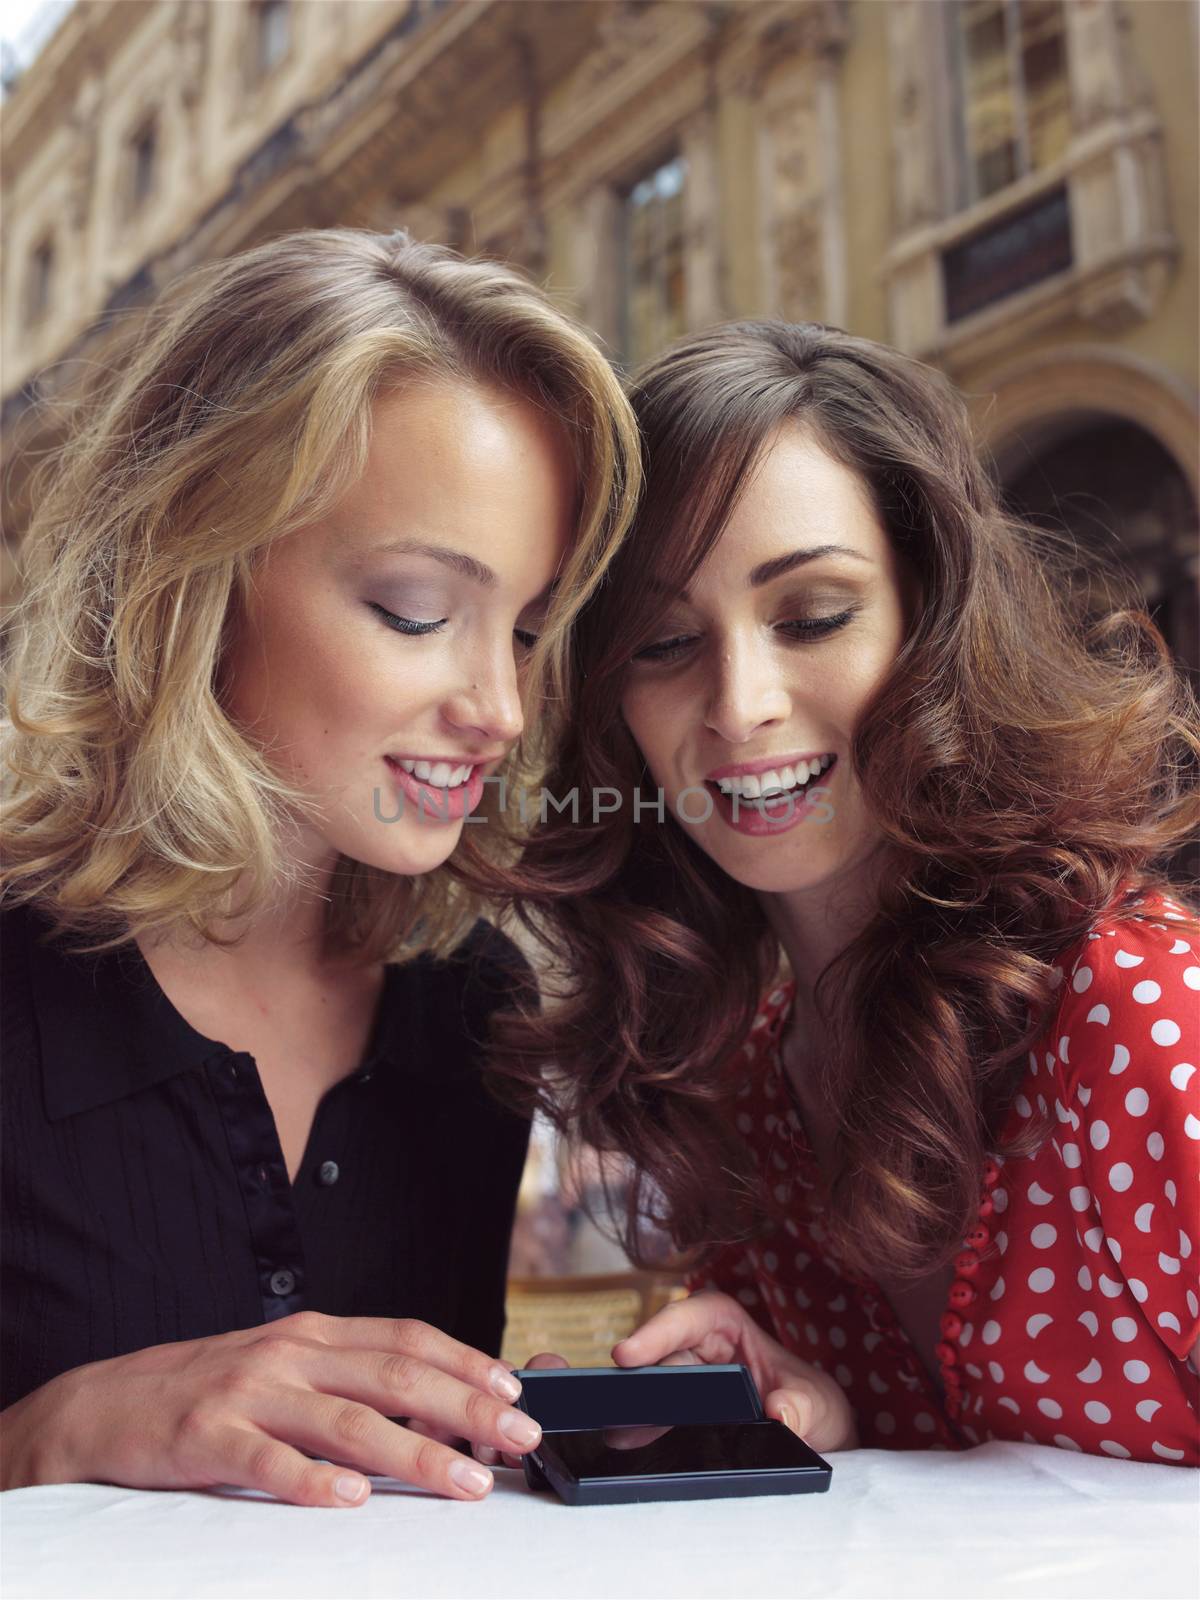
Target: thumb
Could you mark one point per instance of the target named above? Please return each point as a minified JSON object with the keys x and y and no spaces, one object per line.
{"x":795,"y":1408}
{"x":544,"y":1361}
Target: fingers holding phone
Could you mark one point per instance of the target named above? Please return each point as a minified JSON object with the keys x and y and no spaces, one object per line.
{"x":486,"y":1454}
{"x":715,"y":1329}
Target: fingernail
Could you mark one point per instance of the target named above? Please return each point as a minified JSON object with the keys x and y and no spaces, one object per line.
{"x":350,"y":1489}
{"x":788,"y":1417}
{"x":523,"y":1430}
{"x":473,"y":1479}
{"x":504,"y":1384}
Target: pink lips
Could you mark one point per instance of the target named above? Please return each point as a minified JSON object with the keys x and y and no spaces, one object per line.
{"x":430,"y":804}
{"x":777,"y":816}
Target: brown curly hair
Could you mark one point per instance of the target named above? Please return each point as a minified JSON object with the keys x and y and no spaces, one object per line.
{"x":1031,"y":756}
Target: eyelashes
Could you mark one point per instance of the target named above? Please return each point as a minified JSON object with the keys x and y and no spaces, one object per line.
{"x":815,"y":627}
{"x":406,"y":624}
{"x":524,"y":636}
{"x":797,"y":630}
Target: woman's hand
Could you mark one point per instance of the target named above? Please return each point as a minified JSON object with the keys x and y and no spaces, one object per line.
{"x":241,"y":1408}
{"x":714,"y":1329}
{"x":503,"y":1458}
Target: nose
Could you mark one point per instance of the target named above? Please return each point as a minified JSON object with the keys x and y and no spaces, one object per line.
{"x":487,"y":703}
{"x":747,"y":692}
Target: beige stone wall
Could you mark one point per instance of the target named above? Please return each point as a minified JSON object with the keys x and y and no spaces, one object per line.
{"x":108,"y":67}
{"x":820,"y":169}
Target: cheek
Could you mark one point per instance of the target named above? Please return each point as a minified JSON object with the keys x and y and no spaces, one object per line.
{"x":639,"y":723}
{"x":298,"y":682}
{"x":656,"y":727}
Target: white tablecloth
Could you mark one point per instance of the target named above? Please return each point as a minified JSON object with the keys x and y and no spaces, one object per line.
{"x":1004,"y":1520}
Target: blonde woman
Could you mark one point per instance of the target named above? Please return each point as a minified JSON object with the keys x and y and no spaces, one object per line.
{"x":292,"y":587}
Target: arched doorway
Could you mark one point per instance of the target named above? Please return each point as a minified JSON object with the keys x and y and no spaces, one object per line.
{"x":1115,"y":488}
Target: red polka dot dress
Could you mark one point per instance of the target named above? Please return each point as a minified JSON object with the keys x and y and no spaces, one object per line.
{"x":1074,"y":1303}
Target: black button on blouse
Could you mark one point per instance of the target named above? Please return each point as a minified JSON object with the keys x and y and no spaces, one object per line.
{"x":145,"y":1196}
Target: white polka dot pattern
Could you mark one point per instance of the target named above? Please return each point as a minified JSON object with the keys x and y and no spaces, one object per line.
{"x":1085,"y":1337}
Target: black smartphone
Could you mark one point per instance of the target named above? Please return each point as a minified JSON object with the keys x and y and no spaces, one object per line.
{"x":693,"y":1462}
{"x":564,"y":1399}
{"x":616,"y":1434}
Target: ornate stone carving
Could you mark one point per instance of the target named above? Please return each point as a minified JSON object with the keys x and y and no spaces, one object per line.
{"x":800,"y":278}
{"x":627,"y":29}
{"x":1106,"y":79}
{"x":81,"y":162}
{"x":820,"y":27}
{"x":916,"y":62}
{"x":192,"y":22}
{"x":801,"y":190}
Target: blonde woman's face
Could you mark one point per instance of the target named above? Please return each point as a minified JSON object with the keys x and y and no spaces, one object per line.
{"x":380,"y":664}
{"x":755,"y":681}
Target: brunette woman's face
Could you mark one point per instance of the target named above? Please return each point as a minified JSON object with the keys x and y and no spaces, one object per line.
{"x":754,"y":683}
{"x":380,"y":664}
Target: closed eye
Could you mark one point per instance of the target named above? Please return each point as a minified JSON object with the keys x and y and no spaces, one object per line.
{"x":668,"y":650}
{"x":798,"y":628}
{"x":795,"y":630}
{"x":406,"y":624}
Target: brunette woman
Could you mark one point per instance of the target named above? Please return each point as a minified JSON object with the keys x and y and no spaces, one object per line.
{"x":882,"y":985}
{"x":292,"y":588}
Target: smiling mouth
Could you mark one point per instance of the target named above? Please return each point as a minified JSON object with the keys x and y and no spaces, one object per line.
{"x":760,"y":788}
{"x":438,"y":774}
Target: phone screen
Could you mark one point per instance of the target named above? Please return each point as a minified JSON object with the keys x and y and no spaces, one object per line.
{"x":564,"y":1399}
{"x":636,"y":1452}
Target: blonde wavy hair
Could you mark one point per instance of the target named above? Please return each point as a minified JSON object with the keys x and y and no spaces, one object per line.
{"x":240,"y":413}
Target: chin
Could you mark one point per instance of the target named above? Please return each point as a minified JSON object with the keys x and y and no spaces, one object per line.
{"x":769,"y":872}
{"x":427,"y":856}
{"x":407,"y":857}
{"x":767,"y":879}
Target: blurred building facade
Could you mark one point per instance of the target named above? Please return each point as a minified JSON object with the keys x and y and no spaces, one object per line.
{"x":1006,"y":188}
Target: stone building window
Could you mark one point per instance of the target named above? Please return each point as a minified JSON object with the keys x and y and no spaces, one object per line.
{"x":39,"y":283}
{"x":652,"y":265}
{"x":1014,"y":104}
{"x":270,"y":36}
{"x":142,"y":174}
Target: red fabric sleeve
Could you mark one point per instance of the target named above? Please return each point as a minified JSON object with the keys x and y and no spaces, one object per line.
{"x":1128,"y":1056}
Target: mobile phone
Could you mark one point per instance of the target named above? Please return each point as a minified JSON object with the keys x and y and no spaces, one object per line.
{"x":691,"y":1462}
{"x":616,"y":1434}
{"x":566,"y":1399}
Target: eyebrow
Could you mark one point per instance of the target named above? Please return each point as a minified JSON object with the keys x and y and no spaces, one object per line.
{"x":455,"y":559}
{"x":768,"y":571}
{"x":776,"y":568}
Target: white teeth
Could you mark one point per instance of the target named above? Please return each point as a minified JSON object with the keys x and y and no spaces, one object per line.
{"x":439,"y":774}
{"x":753,"y":786}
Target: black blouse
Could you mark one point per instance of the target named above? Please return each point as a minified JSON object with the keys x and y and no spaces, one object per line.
{"x":145,"y":1196}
